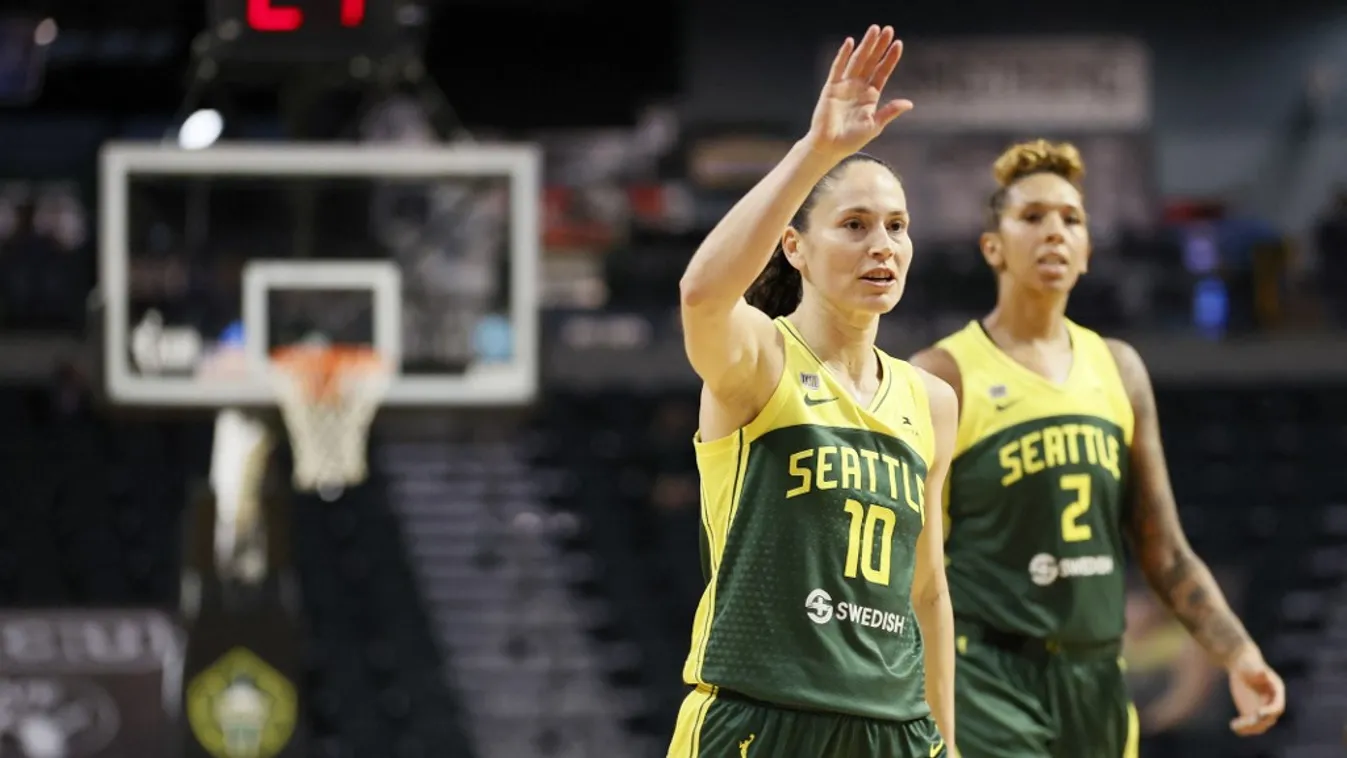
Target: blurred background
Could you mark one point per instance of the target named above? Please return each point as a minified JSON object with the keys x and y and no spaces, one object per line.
{"x":517,"y":575}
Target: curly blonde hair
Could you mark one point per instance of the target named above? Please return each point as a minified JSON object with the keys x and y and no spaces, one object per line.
{"x":1026,"y":159}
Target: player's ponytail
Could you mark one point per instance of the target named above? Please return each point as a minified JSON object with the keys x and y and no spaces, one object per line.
{"x":778,"y":289}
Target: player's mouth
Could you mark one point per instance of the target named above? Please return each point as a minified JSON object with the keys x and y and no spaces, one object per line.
{"x":880,"y":278}
{"x":1054,"y":264}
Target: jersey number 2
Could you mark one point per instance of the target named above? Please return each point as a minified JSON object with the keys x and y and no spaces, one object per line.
{"x":1072,"y":529}
{"x":861,"y":541}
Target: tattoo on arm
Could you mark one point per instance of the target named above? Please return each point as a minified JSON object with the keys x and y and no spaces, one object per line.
{"x":1180,"y":579}
{"x":1186,"y":586}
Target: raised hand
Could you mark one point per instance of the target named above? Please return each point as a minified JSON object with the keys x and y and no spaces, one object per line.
{"x":848,"y":114}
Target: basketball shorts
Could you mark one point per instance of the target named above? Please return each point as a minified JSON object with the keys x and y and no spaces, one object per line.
{"x":1019,"y":697}
{"x":723,"y":725}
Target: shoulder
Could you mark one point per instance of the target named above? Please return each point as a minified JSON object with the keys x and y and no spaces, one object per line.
{"x":1132,"y":371}
{"x":937,"y":388}
{"x":738,"y":401}
{"x":1129,"y":362}
{"x":940,"y":366}
{"x":943,"y":400}
{"x":1125,"y":357}
{"x":1122,"y":351}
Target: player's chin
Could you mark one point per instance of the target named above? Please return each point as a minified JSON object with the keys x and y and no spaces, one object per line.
{"x":1055,"y":282}
{"x":880,"y":303}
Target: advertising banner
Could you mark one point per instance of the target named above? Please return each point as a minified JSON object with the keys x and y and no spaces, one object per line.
{"x":88,"y":683}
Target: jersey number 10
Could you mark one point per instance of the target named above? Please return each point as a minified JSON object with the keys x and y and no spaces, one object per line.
{"x":861,"y":541}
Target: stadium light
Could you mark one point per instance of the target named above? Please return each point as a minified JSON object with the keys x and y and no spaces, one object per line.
{"x":201,"y":129}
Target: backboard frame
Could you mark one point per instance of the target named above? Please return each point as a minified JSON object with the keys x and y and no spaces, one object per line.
{"x":511,"y":383}
{"x":381,"y":277}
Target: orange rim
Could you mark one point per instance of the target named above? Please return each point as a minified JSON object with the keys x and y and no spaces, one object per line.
{"x":319,"y":367}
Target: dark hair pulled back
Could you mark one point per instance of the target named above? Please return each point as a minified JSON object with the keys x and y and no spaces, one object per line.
{"x":778,"y":289}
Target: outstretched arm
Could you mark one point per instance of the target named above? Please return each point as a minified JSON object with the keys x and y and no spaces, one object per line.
{"x":1180,"y":579}
{"x":930,"y":591}
{"x":725,"y":338}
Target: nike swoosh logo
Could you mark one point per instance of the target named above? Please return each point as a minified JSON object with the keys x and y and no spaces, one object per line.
{"x":811,"y":401}
{"x":1007,"y":404}
{"x":936,"y":748}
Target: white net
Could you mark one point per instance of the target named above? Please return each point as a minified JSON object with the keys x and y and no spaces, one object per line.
{"x":328,"y":398}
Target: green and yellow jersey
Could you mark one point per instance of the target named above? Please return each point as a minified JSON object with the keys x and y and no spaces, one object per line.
{"x":810,"y":518}
{"x":1036,"y":491}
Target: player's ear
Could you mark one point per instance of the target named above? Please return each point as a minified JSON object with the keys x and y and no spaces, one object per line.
{"x":991,"y":245}
{"x":791,"y":247}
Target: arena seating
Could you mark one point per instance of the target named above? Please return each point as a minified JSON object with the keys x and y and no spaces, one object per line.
{"x":376,"y":675}
{"x":91,"y":520}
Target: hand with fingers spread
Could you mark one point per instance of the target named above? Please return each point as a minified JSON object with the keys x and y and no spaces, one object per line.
{"x":848,"y":114}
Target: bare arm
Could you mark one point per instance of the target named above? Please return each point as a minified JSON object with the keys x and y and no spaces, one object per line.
{"x":941,"y":364}
{"x":724,"y":336}
{"x":1180,"y":579}
{"x":930,"y":592}
{"x":944,"y":367}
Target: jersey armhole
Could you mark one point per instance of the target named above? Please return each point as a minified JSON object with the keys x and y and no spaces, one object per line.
{"x":963,"y":433}
{"x":922,"y":400}
{"x":1117,"y":392}
{"x":760,"y":423}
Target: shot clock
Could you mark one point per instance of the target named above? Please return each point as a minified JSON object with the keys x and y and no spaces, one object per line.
{"x":307,"y":31}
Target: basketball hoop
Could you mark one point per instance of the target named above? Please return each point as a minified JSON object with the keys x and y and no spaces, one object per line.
{"x":328,"y":395}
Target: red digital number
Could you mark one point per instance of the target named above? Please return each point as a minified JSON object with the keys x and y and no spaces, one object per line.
{"x":352,"y":12}
{"x":265,"y":17}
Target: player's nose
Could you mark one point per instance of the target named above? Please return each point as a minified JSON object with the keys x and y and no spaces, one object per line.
{"x":881,"y":246}
{"x":1054,"y":229}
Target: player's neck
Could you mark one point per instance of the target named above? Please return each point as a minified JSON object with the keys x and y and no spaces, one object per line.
{"x":1027,"y":318}
{"x":843,"y":341}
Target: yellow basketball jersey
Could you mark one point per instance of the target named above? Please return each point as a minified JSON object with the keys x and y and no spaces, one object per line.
{"x":811,"y":514}
{"x":1036,"y":491}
